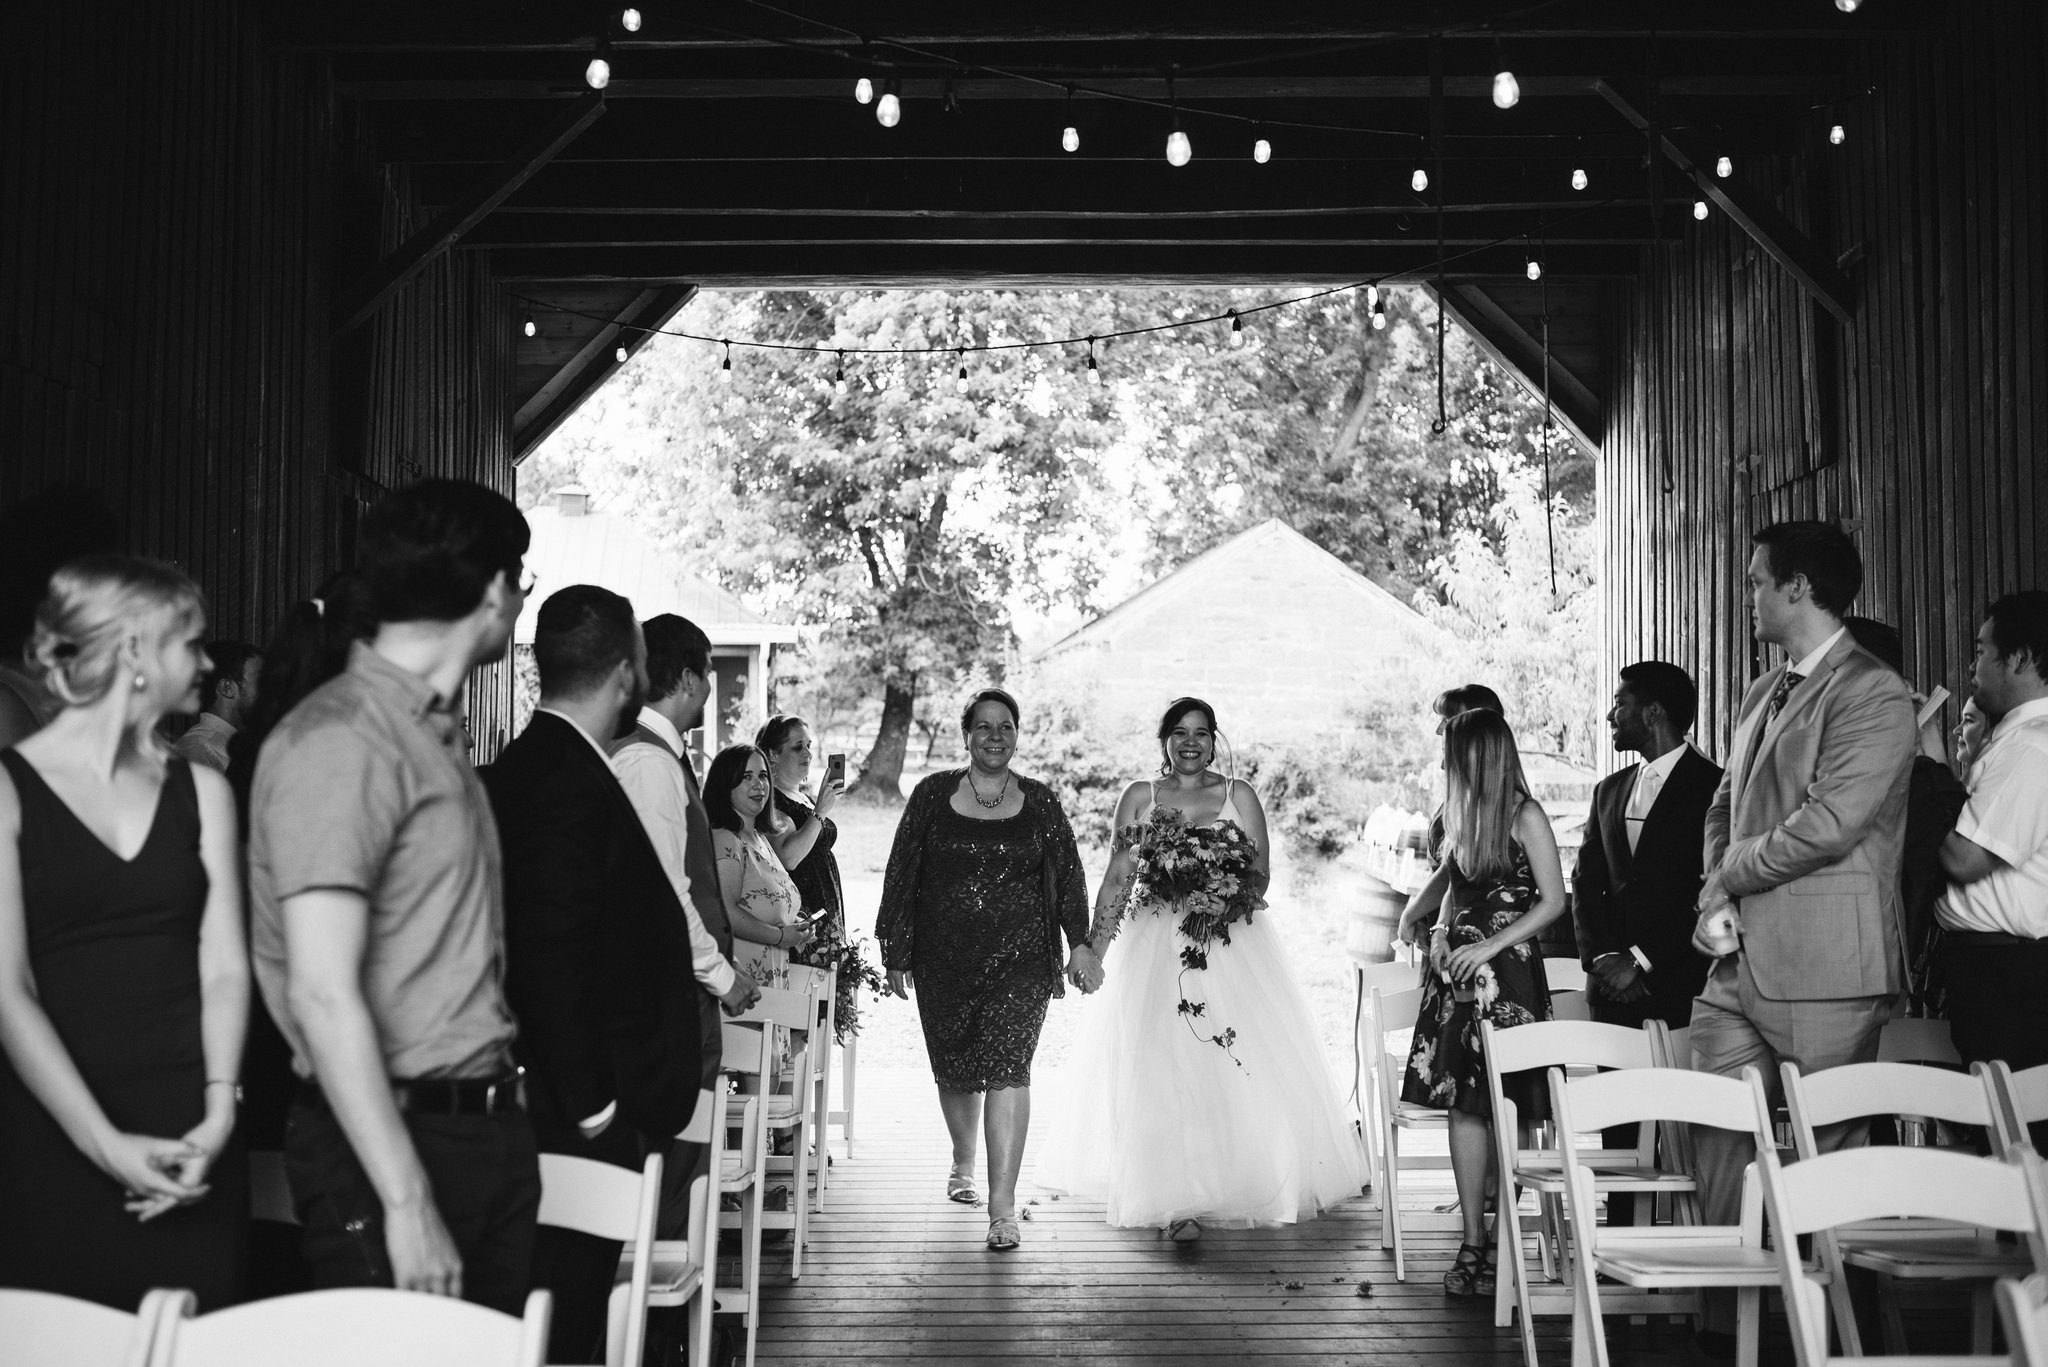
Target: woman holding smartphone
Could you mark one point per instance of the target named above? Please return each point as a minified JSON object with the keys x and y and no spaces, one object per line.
{"x":1502,"y":885}
{"x":805,"y":834}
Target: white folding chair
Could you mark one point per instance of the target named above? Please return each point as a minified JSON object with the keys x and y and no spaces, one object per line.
{"x":1899,"y":1250}
{"x":793,"y":1012}
{"x":1543,"y":1045}
{"x":1661,"y":1258}
{"x":849,"y":1066}
{"x":1856,"y":1186}
{"x":610,"y":1202}
{"x":821,"y":1086}
{"x":43,"y":1329}
{"x":2023,"y":1306}
{"x":743,"y":1170}
{"x":1390,"y":1013}
{"x":1399,"y":974}
{"x":2021,"y":1099}
{"x":1564,"y":975}
{"x":347,"y":1328}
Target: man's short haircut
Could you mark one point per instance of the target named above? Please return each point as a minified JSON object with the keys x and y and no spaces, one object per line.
{"x":230,"y":662}
{"x":1880,"y":639}
{"x":674,"y":644}
{"x":1668,"y":686}
{"x":579,"y":637}
{"x":2019,"y":625}
{"x":1469,"y":698}
{"x":1823,"y":553}
{"x":428,"y":551}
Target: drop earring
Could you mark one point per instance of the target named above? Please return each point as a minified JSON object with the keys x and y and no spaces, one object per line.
{"x":141,"y":682}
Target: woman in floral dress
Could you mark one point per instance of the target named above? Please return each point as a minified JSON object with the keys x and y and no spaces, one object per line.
{"x":760,"y":900}
{"x":1505,"y":885}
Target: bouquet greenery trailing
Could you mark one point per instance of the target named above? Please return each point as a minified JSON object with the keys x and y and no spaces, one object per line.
{"x":852,"y":971}
{"x":1207,"y":876}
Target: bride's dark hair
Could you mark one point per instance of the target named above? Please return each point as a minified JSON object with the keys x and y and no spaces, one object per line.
{"x":1177,"y":709}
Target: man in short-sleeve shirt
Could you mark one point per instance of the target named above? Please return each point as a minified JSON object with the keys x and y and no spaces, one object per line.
{"x":378,"y":924}
{"x":1994,"y":916}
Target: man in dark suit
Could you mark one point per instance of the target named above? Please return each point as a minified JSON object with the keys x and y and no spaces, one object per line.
{"x":1639,"y":868}
{"x":597,"y":952}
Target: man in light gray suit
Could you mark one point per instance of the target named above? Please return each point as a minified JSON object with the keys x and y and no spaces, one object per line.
{"x":1802,"y":845}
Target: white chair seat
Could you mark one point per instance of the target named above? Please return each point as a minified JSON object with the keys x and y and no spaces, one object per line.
{"x":782,"y":1108}
{"x":1548,"y":1177}
{"x":673,"y":1272}
{"x":1961,"y":1256}
{"x":1409,"y":1116}
{"x":1695,"y":1266}
{"x":734,"y":1173}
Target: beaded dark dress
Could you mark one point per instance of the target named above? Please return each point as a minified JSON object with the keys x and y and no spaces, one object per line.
{"x":976,"y":909}
{"x":114,"y":945}
{"x":1446,"y":1068}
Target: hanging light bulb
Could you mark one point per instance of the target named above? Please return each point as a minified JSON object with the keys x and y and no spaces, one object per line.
{"x":1837,"y":135}
{"x":1379,"y":314}
{"x":951,"y":103}
{"x":1507,"y":91}
{"x":620,"y":354}
{"x":1262,"y":151}
{"x":1578,"y":177}
{"x":960,"y":383}
{"x":1070,"y":136}
{"x":1724,"y":168}
{"x":1094,"y":371}
{"x":1699,"y":209}
{"x":1419,"y":181}
{"x":1178,"y":149}
{"x":1848,"y":6}
{"x":1236,"y":329}
{"x":839,"y":376}
{"x":1535,"y":269}
{"x":529,"y":329}
{"x":630,"y":20}
{"x":725,"y":368}
{"x":889,"y":109}
{"x":1372,"y":296}
{"x":598,"y":74}
{"x":864,"y":91}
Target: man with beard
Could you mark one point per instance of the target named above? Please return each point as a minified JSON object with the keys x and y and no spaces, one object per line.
{"x":598,"y":954}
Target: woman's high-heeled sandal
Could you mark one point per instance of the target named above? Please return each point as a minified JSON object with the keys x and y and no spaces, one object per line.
{"x":962,"y":1189}
{"x":1004,"y":1233}
{"x":1460,"y":1279}
{"x":1488,"y":1276}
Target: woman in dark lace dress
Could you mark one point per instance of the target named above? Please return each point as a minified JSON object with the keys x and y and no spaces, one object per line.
{"x":983,"y":880}
{"x":124,"y":981}
{"x":1503,"y":884}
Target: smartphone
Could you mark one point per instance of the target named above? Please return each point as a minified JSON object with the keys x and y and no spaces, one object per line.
{"x":835,"y":767}
{"x":1931,"y":706}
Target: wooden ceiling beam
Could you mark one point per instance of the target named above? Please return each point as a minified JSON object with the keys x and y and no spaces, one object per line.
{"x":594,"y":362}
{"x":1510,"y":342}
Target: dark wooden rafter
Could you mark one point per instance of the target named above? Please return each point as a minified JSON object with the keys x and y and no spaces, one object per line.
{"x":1510,"y":342}
{"x":595,"y":361}
{"x":366,"y":296}
{"x":1748,"y":209}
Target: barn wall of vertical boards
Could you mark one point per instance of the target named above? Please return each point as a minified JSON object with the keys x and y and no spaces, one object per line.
{"x":1737,"y":402}
{"x":177,"y":207}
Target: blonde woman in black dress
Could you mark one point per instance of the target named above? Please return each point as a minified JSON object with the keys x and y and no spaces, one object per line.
{"x":983,"y":881}
{"x":124,"y":981}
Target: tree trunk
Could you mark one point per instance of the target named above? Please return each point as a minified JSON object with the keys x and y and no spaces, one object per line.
{"x":883,"y":777}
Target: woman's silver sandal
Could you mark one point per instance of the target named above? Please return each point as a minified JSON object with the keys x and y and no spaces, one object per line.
{"x":1004,"y":1233}
{"x":1184,"y":1231}
{"x":963,"y":1190}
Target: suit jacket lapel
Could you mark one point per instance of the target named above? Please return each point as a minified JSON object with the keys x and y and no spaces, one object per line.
{"x":1613,"y":819}
{"x":1802,"y":699}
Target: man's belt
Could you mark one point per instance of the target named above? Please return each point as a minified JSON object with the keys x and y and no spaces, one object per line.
{"x":1985,"y":939}
{"x":450,"y":1096}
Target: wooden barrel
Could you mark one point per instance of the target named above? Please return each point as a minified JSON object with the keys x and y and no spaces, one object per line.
{"x":1375,"y":916}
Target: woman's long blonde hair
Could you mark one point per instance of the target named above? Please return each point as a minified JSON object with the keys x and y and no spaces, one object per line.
{"x":92,"y":605}
{"x":1484,"y":791}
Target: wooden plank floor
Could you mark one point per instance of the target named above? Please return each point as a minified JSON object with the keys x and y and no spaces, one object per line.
{"x":895,"y":1272}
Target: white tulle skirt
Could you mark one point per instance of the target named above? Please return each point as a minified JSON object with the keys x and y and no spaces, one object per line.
{"x":1162,"y":1125}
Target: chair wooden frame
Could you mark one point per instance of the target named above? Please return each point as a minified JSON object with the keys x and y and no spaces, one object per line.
{"x":2023,"y":1306}
{"x":821,"y":1085}
{"x":791,"y":1010}
{"x":1544,"y":1045}
{"x":1397,"y":975}
{"x":1662,"y":1258}
{"x":342,"y":1328}
{"x":45,"y":1329}
{"x":1387,"y":1013}
{"x":2019,"y":1100}
{"x":1860,"y":1185}
{"x":1900,"y":1250}
{"x":749,"y":1051}
{"x":610,"y":1202}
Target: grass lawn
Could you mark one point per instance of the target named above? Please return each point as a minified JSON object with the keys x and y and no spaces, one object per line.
{"x":1310,"y":909}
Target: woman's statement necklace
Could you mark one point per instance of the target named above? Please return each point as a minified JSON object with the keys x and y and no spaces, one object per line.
{"x":1001,"y":793}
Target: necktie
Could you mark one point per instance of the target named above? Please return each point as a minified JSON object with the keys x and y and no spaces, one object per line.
{"x":1640,"y":800}
{"x":1793,"y":678}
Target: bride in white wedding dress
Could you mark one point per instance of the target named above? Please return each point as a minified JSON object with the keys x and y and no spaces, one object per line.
{"x":1153,"y":1114}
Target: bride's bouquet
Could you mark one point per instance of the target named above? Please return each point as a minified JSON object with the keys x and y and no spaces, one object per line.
{"x":1205,"y":875}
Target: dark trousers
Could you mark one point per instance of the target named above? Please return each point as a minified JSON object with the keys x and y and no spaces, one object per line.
{"x":687,"y":1161}
{"x":1675,"y":1010}
{"x":579,"y":1268}
{"x":1998,"y":1005}
{"x":485,"y":1176}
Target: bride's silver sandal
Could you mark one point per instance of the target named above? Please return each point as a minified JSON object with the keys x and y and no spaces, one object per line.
{"x":962,"y":1189}
{"x":1004,"y":1233}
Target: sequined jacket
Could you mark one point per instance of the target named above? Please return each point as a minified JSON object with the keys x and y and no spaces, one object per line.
{"x":1063,"y":887}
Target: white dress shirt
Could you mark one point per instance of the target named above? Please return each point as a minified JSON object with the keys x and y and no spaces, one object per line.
{"x":654,"y":782}
{"x":2007,"y":814}
{"x":1804,"y":669}
{"x":1651,"y":776}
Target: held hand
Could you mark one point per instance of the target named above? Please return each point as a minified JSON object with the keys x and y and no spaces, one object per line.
{"x":1084,"y":969}
{"x":1702,"y":933}
{"x":828,"y":797}
{"x":148,"y":1169}
{"x":1464,"y":962}
{"x":207,"y":1139}
{"x":741,"y":996}
{"x":801,"y":936}
{"x":1624,"y":982}
{"x":1439,"y":947}
{"x":423,"y":1256}
{"x":900,"y":983}
{"x":1712,"y":894}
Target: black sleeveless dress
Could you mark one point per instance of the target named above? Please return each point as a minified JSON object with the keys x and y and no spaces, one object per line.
{"x":114,"y":945}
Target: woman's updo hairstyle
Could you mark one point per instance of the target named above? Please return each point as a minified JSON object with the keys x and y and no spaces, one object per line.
{"x":1176,"y":710}
{"x":989,"y":695}
{"x":92,"y":604}
{"x":775,"y":733}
